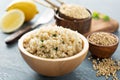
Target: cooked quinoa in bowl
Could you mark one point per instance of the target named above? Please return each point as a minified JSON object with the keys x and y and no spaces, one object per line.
{"x":50,"y":47}
{"x":53,"y":42}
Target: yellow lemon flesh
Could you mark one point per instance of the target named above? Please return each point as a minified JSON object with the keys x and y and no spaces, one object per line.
{"x":27,"y":6}
{"x":12,"y":20}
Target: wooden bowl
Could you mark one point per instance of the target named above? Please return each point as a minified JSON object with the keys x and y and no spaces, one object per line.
{"x":99,"y":51}
{"x":53,"y":67}
{"x":80,"y":25}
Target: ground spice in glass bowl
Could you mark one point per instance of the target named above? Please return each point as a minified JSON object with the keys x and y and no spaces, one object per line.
{"x":102,"y":44}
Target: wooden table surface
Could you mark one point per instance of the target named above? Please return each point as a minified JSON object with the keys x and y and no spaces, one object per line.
{"x":13,"y":67}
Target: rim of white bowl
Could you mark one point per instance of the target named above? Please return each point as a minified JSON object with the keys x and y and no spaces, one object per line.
{"x":20,"y":46}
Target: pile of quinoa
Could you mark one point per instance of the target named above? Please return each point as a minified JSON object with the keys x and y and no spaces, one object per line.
{"x":74,"y":11}
{"x":102,"y":39}
{"x":53,"y":42}
{"x":106,"y":67}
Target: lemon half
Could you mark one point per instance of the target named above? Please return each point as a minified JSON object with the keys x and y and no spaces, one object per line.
{"x":27,"y":6}
{"x":12,"y":20}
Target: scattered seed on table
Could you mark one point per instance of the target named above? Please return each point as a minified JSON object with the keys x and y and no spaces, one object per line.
{"x":106,"y":67}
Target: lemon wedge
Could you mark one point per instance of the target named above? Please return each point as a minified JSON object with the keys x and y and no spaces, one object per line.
{"x":12,"y":20}
{"x":27,"y":6}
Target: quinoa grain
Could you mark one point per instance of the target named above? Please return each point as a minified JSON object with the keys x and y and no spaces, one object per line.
{"x":53,"y":42}
{"x":106,"y":67}
{"x":102,"y":39}
{"x":74,"y":11}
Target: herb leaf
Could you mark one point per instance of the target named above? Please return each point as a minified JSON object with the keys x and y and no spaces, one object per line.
{"x":63,"y":42}
{"x":54,"y":35}
{"x":42,"y":40}
{"x":42,"y":46}
{"x":95,"y":15}
{"x":56,"y":48}
{"x":106,"y":18}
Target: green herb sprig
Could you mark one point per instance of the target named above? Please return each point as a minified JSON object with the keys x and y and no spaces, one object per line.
{"x":97,"y":15}
{"x":56,"y":48}
{"x":105,"y":18}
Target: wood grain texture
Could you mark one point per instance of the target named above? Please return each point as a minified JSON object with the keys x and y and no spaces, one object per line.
{"x":100,"y":25}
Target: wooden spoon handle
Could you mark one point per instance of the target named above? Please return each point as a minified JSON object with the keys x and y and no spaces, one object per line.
{"x":52,"y":4}
{"x":17,"y":35}
{"x":61,"y":2}
{"x":46,"y":5}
